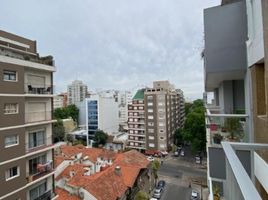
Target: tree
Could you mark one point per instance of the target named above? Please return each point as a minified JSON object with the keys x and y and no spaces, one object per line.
{"x":73,"y":112}
{"x":69,"y":111}
{"x":178,"y":137}
{"x":187,"y":108}
{"x":141,"y":195}
{"x":155,"y":168}
{"x":100,"y":138}
{"x":58,"y":131}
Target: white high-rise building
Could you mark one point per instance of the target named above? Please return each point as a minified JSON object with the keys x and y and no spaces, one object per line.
{"x":124,"y":99}
{"x":77,"y":92}
{"x":99,"y":112}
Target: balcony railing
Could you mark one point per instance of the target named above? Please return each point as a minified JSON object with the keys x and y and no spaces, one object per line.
{"x":225,"y":127}
{"x":38,"y":144}
{"x":42,"y":170}
{"x":39,"y":89}
{"x":240,"y":183}
{"x":37,"y":116}
{"x":22,"y":55}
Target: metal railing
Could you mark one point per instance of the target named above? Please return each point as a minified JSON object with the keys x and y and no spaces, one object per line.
{"x":38,"y":116}
{"x":225,"y":127}
{"x":239,"y":184}
{"x":38,"y":89}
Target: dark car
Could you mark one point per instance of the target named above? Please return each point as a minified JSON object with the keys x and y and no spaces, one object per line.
{"x":161,"y":184}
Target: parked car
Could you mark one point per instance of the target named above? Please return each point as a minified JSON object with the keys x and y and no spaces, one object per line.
{"x":150,"y":158}
{"x":179,"y":148}
{"x":164,"y":153}
{"x":157,"y":192}
{"x":194,"y":195}
{"x":182,"y":153}
{"x":153,"y":199}
{"x":161,"y":184}
{"x":176,"y":153}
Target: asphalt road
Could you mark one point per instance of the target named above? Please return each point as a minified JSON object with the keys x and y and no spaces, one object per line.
{"x":178,"y":173}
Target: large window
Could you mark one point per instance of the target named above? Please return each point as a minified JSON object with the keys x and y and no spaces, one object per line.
{"x":36,"y":138}
{"x":11,"y":140}
{"x":10,"y":75}
{"x":38,"y":191}
{"x":11,"y":108}
{"x":12,"y":173}
{"x":34,"y":162}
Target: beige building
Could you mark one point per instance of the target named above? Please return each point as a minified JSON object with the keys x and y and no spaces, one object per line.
{"x":154,"y":116}
{"x":26,"y":92}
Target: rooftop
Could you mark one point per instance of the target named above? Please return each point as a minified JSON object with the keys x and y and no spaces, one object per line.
{"x":139,"y":95}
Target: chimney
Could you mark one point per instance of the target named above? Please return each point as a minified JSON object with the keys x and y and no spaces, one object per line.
{"x":117,"y":170}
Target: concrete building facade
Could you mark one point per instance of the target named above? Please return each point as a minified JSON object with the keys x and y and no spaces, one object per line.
{"x":26,"y":98}
{"x":154,"y":116}
{"x":77,"y":92}
{"x":235,"y":71}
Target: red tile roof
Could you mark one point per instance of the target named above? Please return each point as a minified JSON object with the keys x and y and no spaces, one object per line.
{"x":114,"y":185}
{"x":64,"y":195}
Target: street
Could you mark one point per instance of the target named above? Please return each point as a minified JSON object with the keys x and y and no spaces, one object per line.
{"x":180,"y":173}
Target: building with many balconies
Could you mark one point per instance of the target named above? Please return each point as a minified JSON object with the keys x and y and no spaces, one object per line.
{"x":26,"y":96}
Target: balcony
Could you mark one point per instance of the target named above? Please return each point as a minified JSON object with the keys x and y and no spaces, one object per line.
{"x":225,"y":127}
{"x":38,"y":145}
{"x":244,"y":165}
{"x":38,"y":116}
{"x":41,"y":170}
{"x":46,"y":196}
{"x":23,"y":55}
{"x":38,"y":89}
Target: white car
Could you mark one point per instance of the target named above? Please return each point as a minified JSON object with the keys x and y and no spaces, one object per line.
{"x":197,"y":160}
{"x":194,"y":195}
{"x":150,"y":158}
{"x":182,"y":153}
{"x":164,"y":153}
{"x":153,"y":199}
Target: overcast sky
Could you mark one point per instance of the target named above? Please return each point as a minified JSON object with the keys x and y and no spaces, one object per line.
{"x":115,"y":44}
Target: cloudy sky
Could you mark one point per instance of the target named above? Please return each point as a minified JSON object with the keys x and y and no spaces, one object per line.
{"x":115,"y":44}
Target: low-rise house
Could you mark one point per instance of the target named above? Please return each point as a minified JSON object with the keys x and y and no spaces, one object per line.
{"x":91,"y":173}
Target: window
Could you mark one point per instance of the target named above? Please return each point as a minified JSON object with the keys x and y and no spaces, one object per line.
{"x":11,"y":108}
{"x":149,"y":97}
{"x":160,"y":103}
{"x":11,"y":140}
{"x":151,"y":137}
{"x":38,"y":191}
{"x":162,"y":138}
{"x":36,"y":138}
{"x":150,"y":117}
{"x":150,"y":130}
{"x":12,"y":173}
{"x":151,"y":144}
{"x":150,"y":103}
{"x":34,"y":162}
{"x":150,"y":110}
{"x":140,"y":107}
{"x":150,"y":124}
{"x":161,"y":124}
{"x":130,"y":131}
{"x":10,"y":75}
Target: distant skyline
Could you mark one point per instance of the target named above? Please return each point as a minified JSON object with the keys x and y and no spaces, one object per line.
{"x":115,"y":44}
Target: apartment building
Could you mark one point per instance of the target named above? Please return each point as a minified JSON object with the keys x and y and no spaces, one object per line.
{"x":164,"y":113}
{"x":26,"y":97}
{"x":77,"y":92}
{"x":235,"y":58}
{"x":60,"y":101}
{"x":99,"y":112}
{"x":124,"y":99}
{"x":136,"y":122}
{"x":154,"y":116}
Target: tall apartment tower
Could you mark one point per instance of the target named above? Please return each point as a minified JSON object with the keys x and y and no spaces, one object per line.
{"x":77,"y":92}
{"x":26,"y":96}
{"x":136,"y":122}
{"x":164,"y":113}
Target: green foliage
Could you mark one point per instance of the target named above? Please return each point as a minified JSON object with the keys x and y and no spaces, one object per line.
{"x":194,"y":127}
{"x":141,"y":195}
{"x":69,"y":111}
{"x":178,"y":137}
{"x":100,"y":138}
{"x":58,"y":131}
{"x":155,"y":168}
{"x":232,"y":125}
{"x":187,"y":108}
{"x":83,"y":142}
